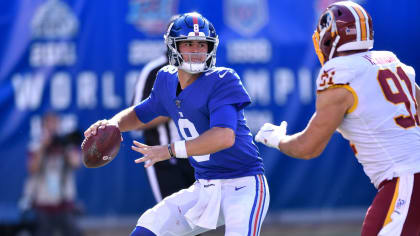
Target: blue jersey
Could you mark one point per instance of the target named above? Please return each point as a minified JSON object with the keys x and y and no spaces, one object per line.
{"x":191,"y":111}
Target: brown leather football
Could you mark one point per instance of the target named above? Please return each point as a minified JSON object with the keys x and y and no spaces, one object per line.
{"x":100,"y":149}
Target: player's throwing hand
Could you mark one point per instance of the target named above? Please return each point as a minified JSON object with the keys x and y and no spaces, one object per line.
{"x":151,"y":154}
{"x":271,"y":135}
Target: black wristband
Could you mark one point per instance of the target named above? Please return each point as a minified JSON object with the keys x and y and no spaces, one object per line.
{"x":170,"y":150}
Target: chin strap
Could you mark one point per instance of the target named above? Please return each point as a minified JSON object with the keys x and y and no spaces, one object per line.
{"x":192,"y":68}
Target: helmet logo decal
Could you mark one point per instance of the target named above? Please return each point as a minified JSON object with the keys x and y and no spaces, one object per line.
{"x":350,"y":31}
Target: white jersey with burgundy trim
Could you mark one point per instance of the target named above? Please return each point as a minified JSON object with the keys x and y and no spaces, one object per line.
{"x":382,"y":125}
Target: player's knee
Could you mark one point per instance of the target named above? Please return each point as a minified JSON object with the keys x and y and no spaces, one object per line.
{"x":141,"y":231}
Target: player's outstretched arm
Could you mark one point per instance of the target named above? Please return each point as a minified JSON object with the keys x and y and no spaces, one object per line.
{"x":331,"y":106}
{"x":125,"y":120}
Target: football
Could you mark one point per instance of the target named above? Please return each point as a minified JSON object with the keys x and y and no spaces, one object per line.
{"x":100,"y":149}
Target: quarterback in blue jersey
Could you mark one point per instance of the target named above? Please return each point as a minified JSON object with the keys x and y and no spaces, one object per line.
{"x":207,"y":105}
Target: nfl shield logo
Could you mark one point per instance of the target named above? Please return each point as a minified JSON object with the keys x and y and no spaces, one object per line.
{"x":178,"y":103}
{"x":246,"y":17}
{"x":151,"y":16}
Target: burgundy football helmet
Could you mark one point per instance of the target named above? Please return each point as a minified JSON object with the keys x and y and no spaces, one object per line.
{"x":343,"y":26}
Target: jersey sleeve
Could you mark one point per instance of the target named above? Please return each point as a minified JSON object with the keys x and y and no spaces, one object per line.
{"x":409,"y":71}
{"x":334,"y":74}
{"x":151,"y":107}
{"x":229,"y":90}
{"x":225,"y":116}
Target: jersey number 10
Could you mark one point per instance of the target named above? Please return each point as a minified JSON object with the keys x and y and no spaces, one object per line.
{"x":399,"y":97}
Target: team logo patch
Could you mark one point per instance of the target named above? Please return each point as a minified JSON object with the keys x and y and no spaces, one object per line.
{"x":151,"y":16}
{"x":246,"y":17}
{"x":327,"y":77}
{"x":178,"y":103}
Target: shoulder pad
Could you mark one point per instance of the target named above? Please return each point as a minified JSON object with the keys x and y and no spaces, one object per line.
{"x":168,"y":69}
{"x":409,"y":70}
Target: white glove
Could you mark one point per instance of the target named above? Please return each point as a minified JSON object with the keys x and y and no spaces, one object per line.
{"x":271,"y":135}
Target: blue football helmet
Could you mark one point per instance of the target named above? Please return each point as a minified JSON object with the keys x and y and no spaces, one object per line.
{"x":188,"y":27}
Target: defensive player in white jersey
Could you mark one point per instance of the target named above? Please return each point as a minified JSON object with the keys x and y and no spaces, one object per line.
{"x":207,"y":105}
{"x":370,"y":97}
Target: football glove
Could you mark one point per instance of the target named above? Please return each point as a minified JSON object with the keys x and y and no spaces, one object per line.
{"x":271,"y":135}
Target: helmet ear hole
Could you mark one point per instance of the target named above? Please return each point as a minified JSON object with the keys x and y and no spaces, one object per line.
{"x":339,"y":12}
{"x":327,"y":43}
{"x":210,"y":47}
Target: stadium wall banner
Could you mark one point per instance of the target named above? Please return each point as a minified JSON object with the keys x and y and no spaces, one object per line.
{"x":81,"y":58}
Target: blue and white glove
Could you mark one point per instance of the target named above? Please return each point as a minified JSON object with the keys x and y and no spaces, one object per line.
{"x":271,"y":135}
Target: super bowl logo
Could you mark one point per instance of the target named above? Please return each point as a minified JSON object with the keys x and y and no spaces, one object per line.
{"x":53,"y":26}
{"x":54,"y":19}
{"x":246,"y":17}
{"x":151,"y":16}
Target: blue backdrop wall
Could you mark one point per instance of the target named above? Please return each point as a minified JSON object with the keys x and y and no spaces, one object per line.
{"x":81,"y":57}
